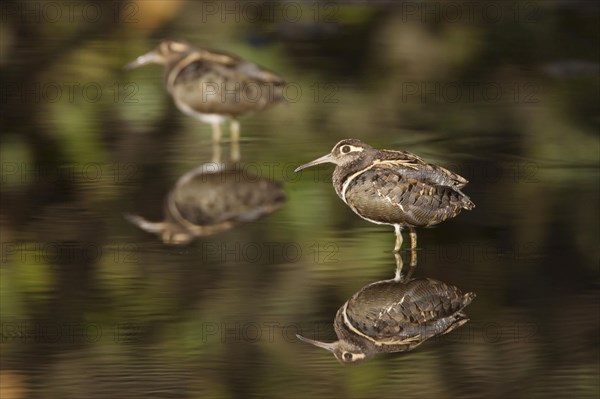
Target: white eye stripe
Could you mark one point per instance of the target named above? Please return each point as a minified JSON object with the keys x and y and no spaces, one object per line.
{"x":353,"y":356}
{"x":168,"y":47}
{"x":175,"y":46}
{"x":352,"y":148}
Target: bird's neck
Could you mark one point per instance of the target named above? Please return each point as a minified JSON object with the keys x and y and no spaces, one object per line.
{"x":174,"y":67}
{"x":345,"y":333}
{"x":175,"y":58}
{"x":344,"y":172}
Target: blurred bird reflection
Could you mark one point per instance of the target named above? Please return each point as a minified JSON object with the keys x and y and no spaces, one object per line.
{"x":212,"y":198}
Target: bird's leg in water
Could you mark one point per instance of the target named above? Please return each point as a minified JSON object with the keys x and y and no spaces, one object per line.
{"x":398,"y":230}
{"x":235,"y":130}
{"x":413,"y":238}
{"x":399,"y":265}
{"x":216,"y":152}
{"x":235,"y":140}
{"x":216,"y":132}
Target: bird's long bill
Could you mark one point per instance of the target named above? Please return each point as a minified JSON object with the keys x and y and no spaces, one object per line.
{"x":323,"y":159}
{"x":152,"y":57}
{"x":325,"y":345}
{"x":150,"y":227}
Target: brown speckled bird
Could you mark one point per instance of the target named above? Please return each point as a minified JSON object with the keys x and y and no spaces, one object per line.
{"x":211,"y":199}
{"x":210,"y":85}
{"x":394,"y":187}
{"x":395,"y":316}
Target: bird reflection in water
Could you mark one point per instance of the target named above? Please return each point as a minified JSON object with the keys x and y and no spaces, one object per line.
{"x":395,"y":315}
{"x":212,"y":198}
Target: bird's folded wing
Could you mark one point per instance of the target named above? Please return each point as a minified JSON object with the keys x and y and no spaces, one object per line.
{"x":414,"y":166}
{"x":405,"y":311}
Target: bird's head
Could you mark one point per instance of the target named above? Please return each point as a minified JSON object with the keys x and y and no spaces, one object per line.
{"x":344,"y":351}
{"x":346,"y":152}
{"x":165,"y":51}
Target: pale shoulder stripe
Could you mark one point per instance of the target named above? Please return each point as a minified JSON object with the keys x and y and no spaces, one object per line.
{"x":350,"y":179}
{"x":353,"y":329}
{"x":179,"y":67}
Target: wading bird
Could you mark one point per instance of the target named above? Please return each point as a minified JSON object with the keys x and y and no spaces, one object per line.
{"x":394,"y":187}
{"x":211,"y":85}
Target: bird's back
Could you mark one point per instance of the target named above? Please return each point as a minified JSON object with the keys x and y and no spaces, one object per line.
{"x":423,"y":170}
{"x":400,"y":188}
{"x":226,"y":196}
{"x":211,"y":82}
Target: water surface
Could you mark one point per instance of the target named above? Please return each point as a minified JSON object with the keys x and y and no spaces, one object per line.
{"x":94,"y":307}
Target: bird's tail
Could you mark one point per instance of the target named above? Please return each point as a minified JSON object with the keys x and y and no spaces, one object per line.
{"x":468,"y":204}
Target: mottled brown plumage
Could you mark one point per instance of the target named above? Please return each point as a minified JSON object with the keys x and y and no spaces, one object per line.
{"x":209,"y":85}
{"x":394,"y":187}
{"x":395,"y":316}
{"x":211,"y":199}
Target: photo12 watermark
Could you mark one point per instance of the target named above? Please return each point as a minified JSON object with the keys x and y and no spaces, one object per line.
{"x":70,"y":12}
{"x":470,"y":92}
{"x":288,"y":12}
{"x":522,"y":172}
{"x":71,"y":92}
{"x":470,"y":11}
{"x":254,"y":252}
{"x":131,"y":332}
{"x":89,"y":172}
{"x":203,"y":250}
{"x":128,"y":92}
{"x":480,"y":252}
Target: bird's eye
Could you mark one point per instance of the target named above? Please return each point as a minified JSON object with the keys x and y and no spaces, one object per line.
{"x":346,"y":149}
{"x":347,"y":356}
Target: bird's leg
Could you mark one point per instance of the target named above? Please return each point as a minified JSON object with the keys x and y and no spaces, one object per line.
{"x":235,"y":151}
{"x":413,"y":246}
{"x":399,"y":265}
{"x":216,"y":132}
{"x":216,"y":152}
{"x":398,"y":230}
{"x":235,"y":140}
{"x":413,"y":258}
{"x":410,"y":272}
{"x":413,"y":238}
{"x":235,"y":130}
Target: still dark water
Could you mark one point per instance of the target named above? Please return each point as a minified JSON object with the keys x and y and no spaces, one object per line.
{"x":93,"y":307}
